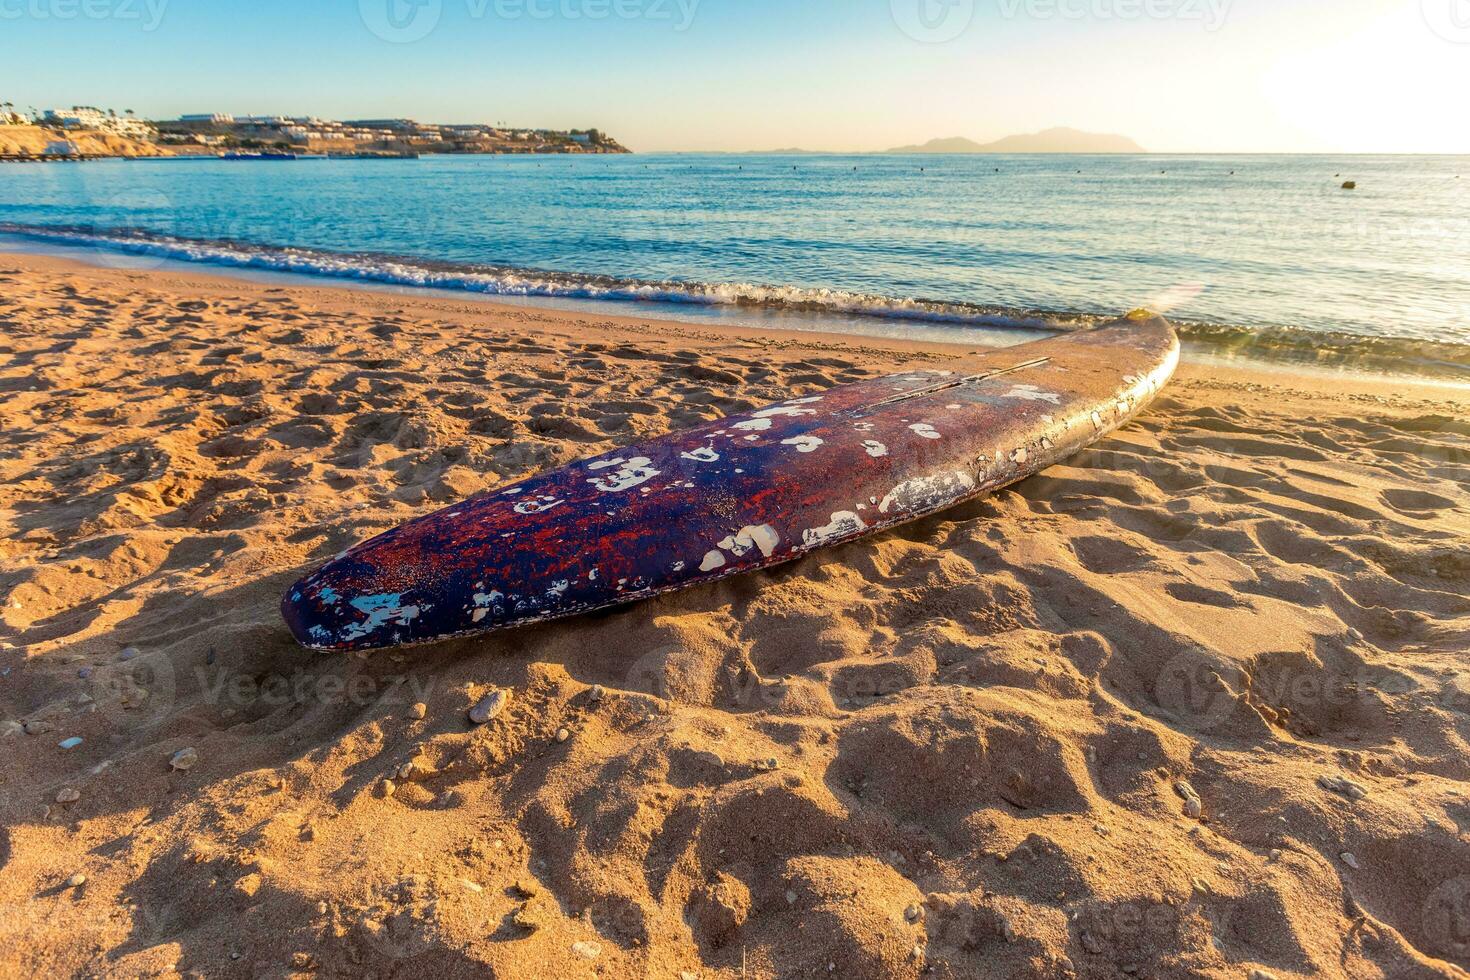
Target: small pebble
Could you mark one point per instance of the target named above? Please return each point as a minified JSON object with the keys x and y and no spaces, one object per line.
{"x":388,"y":787}
{"x":76,"y":881}
{"x":84,"y":672}
{"x":1349,"y":859}
{"x":587,"y":950}
{"x":418,"y":711}
{"x":68,"y":795}
{"x":913,"y":913}
{"x":1344,"y":786}
{"x":489,"y":706}
{"x":1259,"y":974}
{"x":184,"y":759}
{"x":471,"y":886}
{"x":128,"y":653}
{"x":37,"y":727}
{"x":562,"y":734}
{"x":596,"y":693}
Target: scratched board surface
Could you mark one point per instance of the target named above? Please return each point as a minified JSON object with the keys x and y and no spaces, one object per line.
{"x":733,"y":495}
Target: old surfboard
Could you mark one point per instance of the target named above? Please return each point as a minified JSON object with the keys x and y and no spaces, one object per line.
{"x":734,"y":495}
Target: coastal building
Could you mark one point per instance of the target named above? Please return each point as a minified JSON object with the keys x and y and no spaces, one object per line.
{"x":209,"y":118}
{"x":393,"y":125}
{"x":93,"y":118}
{"x":77,"y":117}
{"x":62,"y":148}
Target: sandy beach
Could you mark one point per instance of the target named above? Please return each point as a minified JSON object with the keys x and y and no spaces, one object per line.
{"x":1194,"y":703}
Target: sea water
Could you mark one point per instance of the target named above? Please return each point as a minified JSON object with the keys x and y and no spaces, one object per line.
{"x":1233,"y":247}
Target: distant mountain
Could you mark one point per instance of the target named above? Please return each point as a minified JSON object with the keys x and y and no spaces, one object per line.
{"x":1058,"y":140}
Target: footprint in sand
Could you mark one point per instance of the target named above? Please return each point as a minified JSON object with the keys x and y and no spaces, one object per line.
{"x":1416,"y":502}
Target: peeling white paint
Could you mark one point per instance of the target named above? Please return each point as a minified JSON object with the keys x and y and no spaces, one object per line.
{"x":712,"y":561}
{"x":704,"y":454}
{"x":753,"y":425}
{"x":843,"y":524}
{"x":1031,"y":393}
{"x":927,"y":492}
{"x":631,"y":473}
{"x":925,"y":430}
{"x":874,"y":448}
{"x":380,"y":610}
{"x":538,"y":506}
{"x":803,"y":444}
{"x":761,"y":536}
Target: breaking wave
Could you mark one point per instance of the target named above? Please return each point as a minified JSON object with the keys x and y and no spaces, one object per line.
{"x":1330,"y":349}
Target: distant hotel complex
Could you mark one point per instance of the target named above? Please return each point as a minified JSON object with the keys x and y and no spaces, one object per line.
{"x":311,"y":133}
{"x":219,"y":132}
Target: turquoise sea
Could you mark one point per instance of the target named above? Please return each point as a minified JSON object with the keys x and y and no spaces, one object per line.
{"x":1239,"y":249}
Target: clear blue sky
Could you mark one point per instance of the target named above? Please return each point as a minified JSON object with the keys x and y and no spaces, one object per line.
{"x":1176,"y":75}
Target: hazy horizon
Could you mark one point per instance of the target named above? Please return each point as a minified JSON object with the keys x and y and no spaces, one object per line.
{"x":1177,"y":76}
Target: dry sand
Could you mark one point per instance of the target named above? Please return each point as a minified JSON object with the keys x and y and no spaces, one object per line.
{"x":1192,"y":704}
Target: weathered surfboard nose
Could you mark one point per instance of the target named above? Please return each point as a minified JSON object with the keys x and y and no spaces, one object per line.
{"x":322,"y":618}
{"x":300,"y":610}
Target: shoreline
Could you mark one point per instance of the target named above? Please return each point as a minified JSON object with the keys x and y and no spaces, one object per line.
{"x":1267,"y":348}
{"x":343,"y":295}
{"x":1193,"y":701}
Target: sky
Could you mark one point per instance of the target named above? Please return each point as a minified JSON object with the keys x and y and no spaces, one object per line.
{"x":1371,"y":76}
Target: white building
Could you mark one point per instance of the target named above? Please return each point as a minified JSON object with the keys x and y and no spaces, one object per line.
{"x":77,"y":117}
{"x":221,"y":118}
